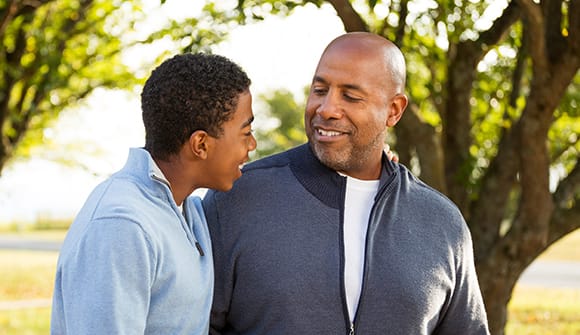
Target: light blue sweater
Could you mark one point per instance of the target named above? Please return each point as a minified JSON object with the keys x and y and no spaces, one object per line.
{"x":130,"y":264}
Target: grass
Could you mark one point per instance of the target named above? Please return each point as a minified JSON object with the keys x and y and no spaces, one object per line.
{"x":26,"y":274}
{"x":566,"y":249}
{"x":32,"y":321}
{"x":49,"y":235}
{"x":43,"y":226}
{"x":30,"y":275}
{"x":543,"y":311}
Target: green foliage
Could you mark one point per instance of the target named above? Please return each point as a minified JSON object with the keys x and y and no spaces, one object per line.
{"x":288,"y":129}
{"x":53,"y":54}
{"x":257,"y":10}
{"x":197,"y":34}
{"x":565,"y":131}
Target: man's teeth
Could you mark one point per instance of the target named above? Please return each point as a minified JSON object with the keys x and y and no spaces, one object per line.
{"x":328,"y":132}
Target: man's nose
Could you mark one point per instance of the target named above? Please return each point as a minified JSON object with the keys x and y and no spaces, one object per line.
{"x":330,"y":107}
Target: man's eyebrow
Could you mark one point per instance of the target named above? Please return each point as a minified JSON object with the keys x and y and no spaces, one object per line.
{"x":248,"y":122}
{"x":318,"y":79}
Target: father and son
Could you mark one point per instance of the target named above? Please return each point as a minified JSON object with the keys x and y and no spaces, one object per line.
{"x":330,"y":237}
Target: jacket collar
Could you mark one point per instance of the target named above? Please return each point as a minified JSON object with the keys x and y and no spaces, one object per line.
{"x":323,"y":182}
{"x":141,"y":166}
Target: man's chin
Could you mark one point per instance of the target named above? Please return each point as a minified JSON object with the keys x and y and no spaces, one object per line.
{"x":330,"y":157}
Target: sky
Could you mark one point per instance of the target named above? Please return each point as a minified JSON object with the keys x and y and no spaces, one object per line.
{"x":277,"y":53}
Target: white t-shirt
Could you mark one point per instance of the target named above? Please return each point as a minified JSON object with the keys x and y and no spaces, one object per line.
{"x":358,"y":203}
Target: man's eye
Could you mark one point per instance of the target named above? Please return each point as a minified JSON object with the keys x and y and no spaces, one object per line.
{"x":318,"y":91}
{"x":351,"y":98}
{"x":249,"y":133}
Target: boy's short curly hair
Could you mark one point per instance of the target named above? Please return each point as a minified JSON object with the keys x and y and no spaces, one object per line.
{"x":186,"y":93}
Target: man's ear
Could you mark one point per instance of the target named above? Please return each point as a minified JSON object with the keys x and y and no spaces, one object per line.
{"x":200,"y":143}
{"x":397,"y":108}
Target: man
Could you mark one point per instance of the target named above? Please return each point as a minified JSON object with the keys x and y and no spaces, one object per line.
{"x":137,"y":259}
{"x":331,"y":237}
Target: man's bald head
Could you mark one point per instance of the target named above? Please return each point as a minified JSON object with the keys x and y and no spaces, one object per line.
{"x":365,"y":43}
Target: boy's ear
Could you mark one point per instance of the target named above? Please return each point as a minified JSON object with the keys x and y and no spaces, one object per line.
{"x":199,"y":143}
{"x":398,"y":106}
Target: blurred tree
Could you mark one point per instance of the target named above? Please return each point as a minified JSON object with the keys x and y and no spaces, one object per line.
{"x":54,"y":53}
{"x":287,"y":129}
{"x":493,"y":119}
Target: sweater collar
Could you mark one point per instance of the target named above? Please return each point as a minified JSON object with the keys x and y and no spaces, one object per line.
{"x":140,"y":165}
{"x":323,"y":182}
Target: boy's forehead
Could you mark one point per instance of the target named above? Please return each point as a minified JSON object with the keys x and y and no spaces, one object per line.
{"x":243,"y":114}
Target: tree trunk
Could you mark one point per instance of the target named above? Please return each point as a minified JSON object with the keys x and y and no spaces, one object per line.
{"x":413,"y":134}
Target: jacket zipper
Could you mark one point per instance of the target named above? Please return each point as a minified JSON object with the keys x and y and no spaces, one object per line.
{"x":380,"y":193}
{"x":183,"y":221}
{"x":349,"y":325}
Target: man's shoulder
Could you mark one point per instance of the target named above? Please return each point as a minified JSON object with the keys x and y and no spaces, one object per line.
{"x":423,"y":192}
{"x":259,"y":178}
{"x":280,"y":159}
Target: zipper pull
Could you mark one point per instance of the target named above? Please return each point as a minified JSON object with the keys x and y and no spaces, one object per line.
{"x":351,"y":330}
{"x":198,"y":246}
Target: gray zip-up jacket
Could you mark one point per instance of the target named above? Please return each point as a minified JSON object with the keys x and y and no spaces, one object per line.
{"x":279,"y":257}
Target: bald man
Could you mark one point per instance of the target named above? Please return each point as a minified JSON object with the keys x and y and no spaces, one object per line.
{"x":331,"y":237}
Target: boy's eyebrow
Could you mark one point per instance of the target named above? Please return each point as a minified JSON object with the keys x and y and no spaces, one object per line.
{"x":248,"y":122}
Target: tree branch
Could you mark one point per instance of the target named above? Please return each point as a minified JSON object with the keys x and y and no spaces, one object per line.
{"x":488,"y":210}
{"x":536,"y":25}
{"x":351,"y":20}
{"x":567,"y":188}
{"x":400,"y":32}
{"x":518,"y":73}
{"x":563,"y":222}
{"x":464,"y":58}
{"x":552,"y":10}
{"x":574,"y":25}
{"x":501,"y":25}
{"x":7,"y":15}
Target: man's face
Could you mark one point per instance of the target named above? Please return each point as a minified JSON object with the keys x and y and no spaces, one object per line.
{"x":230,"y":150}
{"x":347,"y":110}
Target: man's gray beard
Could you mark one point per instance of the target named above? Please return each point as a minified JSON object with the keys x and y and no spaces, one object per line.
{"x":329,"y":160}
{"x":351,"y":158}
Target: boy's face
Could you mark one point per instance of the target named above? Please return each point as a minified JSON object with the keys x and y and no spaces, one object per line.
{"x":230,"y":150}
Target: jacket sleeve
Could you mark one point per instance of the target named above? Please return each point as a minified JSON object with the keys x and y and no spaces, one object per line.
{"x":105,"y":279}
{"x":466,"y":311}
{"x":223,"y":277}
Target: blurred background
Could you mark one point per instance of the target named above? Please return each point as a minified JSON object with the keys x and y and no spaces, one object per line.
{"x":493,"y":123}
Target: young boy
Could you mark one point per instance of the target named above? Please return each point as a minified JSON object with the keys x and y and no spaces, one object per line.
{"x":138,"y":257}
